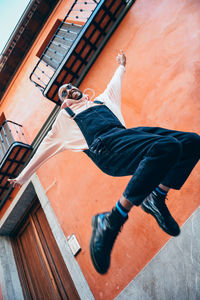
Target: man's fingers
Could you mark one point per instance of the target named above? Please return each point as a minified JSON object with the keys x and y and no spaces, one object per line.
{"x":13,"y":182}
{"x":121,"y":55}
{"x":121,"y":58}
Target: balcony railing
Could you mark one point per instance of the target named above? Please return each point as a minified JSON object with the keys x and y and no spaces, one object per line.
{"x":14,"y":150}
{"x":76,"y":44}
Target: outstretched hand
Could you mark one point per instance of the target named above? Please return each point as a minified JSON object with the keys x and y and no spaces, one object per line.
{"x":14,"y":182}
{"x":121,"y":58}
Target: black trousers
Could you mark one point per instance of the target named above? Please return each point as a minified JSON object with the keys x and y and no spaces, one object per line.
{"x":152,"y":155}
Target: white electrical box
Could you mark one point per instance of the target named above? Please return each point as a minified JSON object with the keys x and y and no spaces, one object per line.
{"x":73,"y":244}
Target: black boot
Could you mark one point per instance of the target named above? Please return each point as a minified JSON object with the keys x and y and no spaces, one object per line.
{"x":106,"y":227}
{"x":155,"y":205}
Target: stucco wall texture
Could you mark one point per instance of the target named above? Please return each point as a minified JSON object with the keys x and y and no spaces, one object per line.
{"x":161,"y":88}
{"x":1,"y":297}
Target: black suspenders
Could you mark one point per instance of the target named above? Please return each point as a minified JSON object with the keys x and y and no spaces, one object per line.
{"x":98,"y":102}
{"x":72,"y":114}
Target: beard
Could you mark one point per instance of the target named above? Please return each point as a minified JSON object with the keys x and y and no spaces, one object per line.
{"x":80,"y":95}
{"x":75,"y":94}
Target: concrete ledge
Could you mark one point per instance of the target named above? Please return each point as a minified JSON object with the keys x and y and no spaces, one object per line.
{"x":69,"y":259}
{"x":9,"y":279}
{"x":174,"y":273}
{"x":17,"y":209}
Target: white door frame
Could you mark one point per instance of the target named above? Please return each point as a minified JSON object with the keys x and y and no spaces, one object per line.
{"x":8,"y":222}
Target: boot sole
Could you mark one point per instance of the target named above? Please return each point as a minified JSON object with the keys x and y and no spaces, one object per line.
{"x":148,"y":211}
{"x":94,"y":225}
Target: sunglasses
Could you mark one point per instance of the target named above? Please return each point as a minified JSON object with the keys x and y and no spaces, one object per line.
{"x":67,"y":88}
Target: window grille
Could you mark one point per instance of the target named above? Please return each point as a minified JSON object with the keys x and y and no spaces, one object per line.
{"x":14,"y":150}
{"x":76,"y":44}
{"x":62,"y":42}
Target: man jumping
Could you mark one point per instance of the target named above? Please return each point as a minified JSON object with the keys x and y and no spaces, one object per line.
{"x":158,"y":159}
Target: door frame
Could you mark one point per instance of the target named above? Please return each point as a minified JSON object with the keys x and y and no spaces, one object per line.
{"x":9,"y":221}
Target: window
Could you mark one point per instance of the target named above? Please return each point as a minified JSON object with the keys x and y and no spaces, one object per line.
{"x":75,"y":46}
{"x":60,"y":41}
{"x":14,"y":151}
{"x":58,"y":46}
{"x":6,"y":136}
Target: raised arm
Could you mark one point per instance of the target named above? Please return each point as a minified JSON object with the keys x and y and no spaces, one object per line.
{"x":113,"y":90}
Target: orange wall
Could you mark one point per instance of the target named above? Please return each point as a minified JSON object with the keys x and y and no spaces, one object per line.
{"x":161,"y":88}
{"x":1,"y":296}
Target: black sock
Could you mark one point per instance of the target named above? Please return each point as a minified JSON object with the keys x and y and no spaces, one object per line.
{"x":122,"y":210}
{"x":160,"y":192}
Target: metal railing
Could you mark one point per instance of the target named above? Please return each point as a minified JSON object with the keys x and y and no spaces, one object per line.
{"x":61,"y":42}
{"x":14,"y":151}
{"x":10,"y":132}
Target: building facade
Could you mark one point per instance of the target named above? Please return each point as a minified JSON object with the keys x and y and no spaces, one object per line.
{"x":77,"y":41}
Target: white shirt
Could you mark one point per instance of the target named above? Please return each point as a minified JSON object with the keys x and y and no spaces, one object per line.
{"x":65,"y":133}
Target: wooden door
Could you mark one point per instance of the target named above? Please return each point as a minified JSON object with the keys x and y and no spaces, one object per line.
{"x":41,"y":268}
